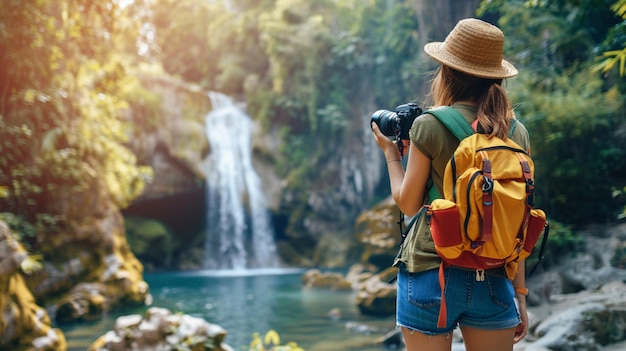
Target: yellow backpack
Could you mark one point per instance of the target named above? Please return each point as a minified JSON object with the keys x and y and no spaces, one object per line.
{"x":486,"y":220}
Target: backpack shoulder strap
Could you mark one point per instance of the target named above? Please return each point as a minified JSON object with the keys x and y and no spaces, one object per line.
{"x":453,"y":120}
{"x":458,"y":125}
{"x":512,"y":127}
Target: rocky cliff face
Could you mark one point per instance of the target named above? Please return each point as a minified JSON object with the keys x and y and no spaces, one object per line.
{"x":24,"y":325}
{"x":89,"y":267}
{"x":172,"y":139}
{"x":320,"y":216}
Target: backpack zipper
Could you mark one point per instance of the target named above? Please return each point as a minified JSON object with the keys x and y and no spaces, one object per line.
{"x":469,"y":208}
{"x":502,"y":147}
{"x":453,"y":165}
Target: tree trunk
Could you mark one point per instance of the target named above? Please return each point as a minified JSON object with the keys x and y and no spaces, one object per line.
{"x":435,"y":19}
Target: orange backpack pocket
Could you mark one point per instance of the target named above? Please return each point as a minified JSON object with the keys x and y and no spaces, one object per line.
{"x":445,"y":226}
{"x":536,"y":226}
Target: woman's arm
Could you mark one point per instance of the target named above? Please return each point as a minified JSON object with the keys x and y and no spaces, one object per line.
{"x":410,"y":193}
{"x":408,"y":189}
{"x":519,"y":283}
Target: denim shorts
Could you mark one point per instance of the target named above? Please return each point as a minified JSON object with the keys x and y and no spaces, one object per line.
{"x":487,"y":304}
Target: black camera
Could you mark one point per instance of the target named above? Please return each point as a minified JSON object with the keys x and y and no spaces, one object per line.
{"x":397,"y":124}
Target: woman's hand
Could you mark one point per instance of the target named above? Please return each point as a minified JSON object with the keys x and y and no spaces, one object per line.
{"x":522,"y":329}
{"x":389,"y":147}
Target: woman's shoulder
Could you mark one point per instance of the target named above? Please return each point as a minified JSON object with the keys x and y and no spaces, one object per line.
{"x":426,"y":125}
{"x":520,"y":134}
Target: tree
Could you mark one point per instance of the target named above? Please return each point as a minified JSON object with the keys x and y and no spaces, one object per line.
{"x":61,"y":124}
{"x":616,"y":55}
{"x":571,"y":112}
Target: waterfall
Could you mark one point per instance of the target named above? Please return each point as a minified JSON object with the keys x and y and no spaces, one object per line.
{"x":239,"y":234}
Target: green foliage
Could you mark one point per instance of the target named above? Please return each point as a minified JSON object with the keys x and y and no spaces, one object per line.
{"x":615,"y":44}
{"x":327,"y":60}
{"x":578,"y":160}
{"x":308,"y":69}
{"x":181,"y":32}
{"x":620,"y":194}
{"x":271,"y":342}
{"x":31,"y":264}
{"x":619,"y":259}
{"x":149,"y":240}
{"x":28,"y":233}
{"x":553,"y":35}
{"x":146,"y":105}
{"x":573,"y":115}
{"x":294,"y":38}
{"x":611,"y":58}
{"x":305,"y":68}
{"x":61,"y":121}
{"x":208,"y":43}
{"x":620,"y":8}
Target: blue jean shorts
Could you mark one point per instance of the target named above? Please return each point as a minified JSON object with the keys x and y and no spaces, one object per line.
{"x":487,"y":304}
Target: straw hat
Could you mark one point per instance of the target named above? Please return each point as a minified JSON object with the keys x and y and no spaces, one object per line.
{"x":474,"y":47}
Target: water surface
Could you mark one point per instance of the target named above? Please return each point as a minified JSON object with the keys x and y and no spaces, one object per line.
{"x":245,"y":302}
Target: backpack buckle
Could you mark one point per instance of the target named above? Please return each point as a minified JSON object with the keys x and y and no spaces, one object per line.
{"x":488,"y":185}
{"x":480,"y":275}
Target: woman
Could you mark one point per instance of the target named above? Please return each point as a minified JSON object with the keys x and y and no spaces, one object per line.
{"x":469,"y":79}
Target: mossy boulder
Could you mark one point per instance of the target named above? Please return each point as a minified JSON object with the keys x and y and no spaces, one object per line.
{"x":151,"y":241}
{"x":378,"y":232}
{"x":115,"y":278}
{"x":23,"y":324}
{"x":90,"y":269}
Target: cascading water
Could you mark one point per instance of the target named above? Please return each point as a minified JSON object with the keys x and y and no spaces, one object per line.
{"x":239,"y":234}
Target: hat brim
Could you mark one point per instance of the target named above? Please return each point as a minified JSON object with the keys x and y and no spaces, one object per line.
{"x":437,"y":51}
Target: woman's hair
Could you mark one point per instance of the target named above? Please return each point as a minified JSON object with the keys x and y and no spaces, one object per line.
{"x":494,"y":111}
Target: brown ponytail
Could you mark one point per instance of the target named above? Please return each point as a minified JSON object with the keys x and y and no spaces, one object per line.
{"x":494,"y":110}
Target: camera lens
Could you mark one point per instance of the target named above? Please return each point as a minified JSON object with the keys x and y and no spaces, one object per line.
{"x":387,"y":122}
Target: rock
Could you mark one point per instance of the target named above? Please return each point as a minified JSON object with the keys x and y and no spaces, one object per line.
{"x":94,"y":271}
{"x":24,"y":324}
{"x":314,"y":278}
{"x":586,"y":320}
{"x":159,"y":329}
{"x":586,"y":272}
{"x":52,"y":340}
{"x":86,"y":301}
{"x":177,"y":146}
{"x":334,"y":314}
{"x":377,"y":296}
{"x":361,"y":328}
{"x":127,"y":322}
{"x":616,"y":347}
{"x":379,"y":234}
{"x":542,"y":286}
{"x":359,"y":273}
{"x":331,"y":248}
{"x":151,"y":241}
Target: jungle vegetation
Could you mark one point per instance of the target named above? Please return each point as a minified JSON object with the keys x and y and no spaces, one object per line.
{"x":68,"y":71}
